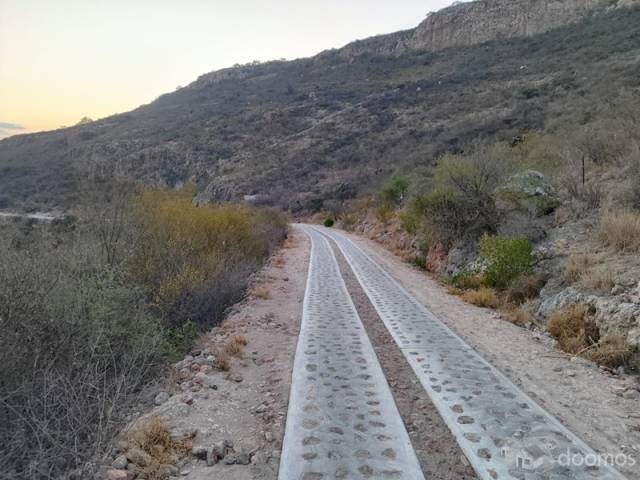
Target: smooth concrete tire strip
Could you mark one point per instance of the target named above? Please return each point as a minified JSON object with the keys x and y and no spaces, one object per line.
{"x":503,"y":432}
{"x":342,"y":421}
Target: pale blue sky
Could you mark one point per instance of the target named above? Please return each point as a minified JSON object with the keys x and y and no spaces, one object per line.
{"x":61,"y":60}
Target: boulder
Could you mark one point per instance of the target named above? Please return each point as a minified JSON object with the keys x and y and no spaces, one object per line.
{"x":161,"y":398}
{"x":120,"y":462}
{"x":529,"y":190}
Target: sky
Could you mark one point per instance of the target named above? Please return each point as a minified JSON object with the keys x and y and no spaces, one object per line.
{"x":62,"y":60}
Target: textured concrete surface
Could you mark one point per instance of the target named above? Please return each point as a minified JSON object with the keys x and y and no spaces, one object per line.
{"x":342,"y":421}
{"x":502,"y":431}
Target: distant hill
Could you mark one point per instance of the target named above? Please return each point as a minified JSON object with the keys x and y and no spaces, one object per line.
{"x":304,"y":132}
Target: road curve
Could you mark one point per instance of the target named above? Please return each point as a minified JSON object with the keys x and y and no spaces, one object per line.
{"x":503,"y":432}
{"x":342,"y":421}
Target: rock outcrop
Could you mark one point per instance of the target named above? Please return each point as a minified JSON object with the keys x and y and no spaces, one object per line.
{"x":480,"y":21}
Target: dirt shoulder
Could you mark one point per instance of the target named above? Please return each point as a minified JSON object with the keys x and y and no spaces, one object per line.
{"x":236,"y":413}
{"x":588,"y":400}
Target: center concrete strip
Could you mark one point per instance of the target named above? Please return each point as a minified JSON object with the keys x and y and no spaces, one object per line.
{"x":342,"y":421}
{"x":503,"y":432}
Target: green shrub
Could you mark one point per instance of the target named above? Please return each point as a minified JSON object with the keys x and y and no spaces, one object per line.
{"x":179,"y":340}
{"x":420,"y":261}
{"x":328,"y":222}
{"x":395,"y":190}
{"x":458,"y":202}
{"x":410,"y":221}
{"x":507,"y":259}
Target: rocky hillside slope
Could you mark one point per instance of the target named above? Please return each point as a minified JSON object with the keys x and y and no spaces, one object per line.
{"x":304,"y":133}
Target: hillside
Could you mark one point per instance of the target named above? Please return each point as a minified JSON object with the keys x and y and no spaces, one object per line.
{"x":329,"y":127}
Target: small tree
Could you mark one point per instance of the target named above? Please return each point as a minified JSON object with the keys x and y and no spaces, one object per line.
{"x":395,"y":190}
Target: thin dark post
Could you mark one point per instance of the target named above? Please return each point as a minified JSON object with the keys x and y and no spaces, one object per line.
{"x":583,"y":173}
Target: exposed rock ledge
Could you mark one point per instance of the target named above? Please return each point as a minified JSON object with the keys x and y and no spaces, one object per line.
{"x":480,"y":21}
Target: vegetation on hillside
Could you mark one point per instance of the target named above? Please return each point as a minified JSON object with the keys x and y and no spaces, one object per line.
{"x":314,"y":131}
{"x":91,"y":309}
{"x":492,"y":204}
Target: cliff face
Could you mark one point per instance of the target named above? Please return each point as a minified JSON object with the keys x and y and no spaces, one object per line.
{"x":484,"y":20}
{"x":480,"y":21}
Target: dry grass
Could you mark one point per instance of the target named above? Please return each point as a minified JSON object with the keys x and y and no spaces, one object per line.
{"x":577,"y":334}
{"x":518,"y":316}
{"x":451,"y":290}
{"x":235,"y":345}
{"x":612,"y":351}
{"x":240,"y":340}
{"x":573,"y":328}
{"x":577,"y":266}
{"x":621,"y":230}
{"x":600,"y":280}
{"x":221,"y":361}
{"x":289,"y":243}
{"x":469,"y":282}
{"x":153,"y":451}
{"x":262,"y":293}
{"x":525,"y":288}
{"x":483,"y":297}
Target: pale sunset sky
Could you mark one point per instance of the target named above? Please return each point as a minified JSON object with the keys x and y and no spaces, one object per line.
{"x":61,"y":60}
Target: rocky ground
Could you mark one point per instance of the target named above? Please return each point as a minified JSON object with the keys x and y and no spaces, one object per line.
{"x":233,"y":419}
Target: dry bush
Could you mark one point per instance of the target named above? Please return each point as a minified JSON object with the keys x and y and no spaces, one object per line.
{"x":77,"y":344}
{"x":152,"y":449}
{"x":453,"y":290}
{"x":578,"y":265}
{"x":483,"y":297}
{"x":235,"y":345}
{"x":518,"y":316}
{"x":612,"y":351}
{"x":221,"y":361}
{"x":577,"y":334}
{"x":572,"y":327}
{"x":601,"y":280}
{"x":262,"y":292}
{"x":240,"y":340}
{"x":188,"y":251}
{"x":279,"y":262}
{"x":385,"y":212}
{"x":525,"y":288}
{"x":621,"y":230}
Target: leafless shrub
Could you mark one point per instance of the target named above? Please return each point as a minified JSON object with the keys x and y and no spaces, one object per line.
{"x":76,"y":346}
